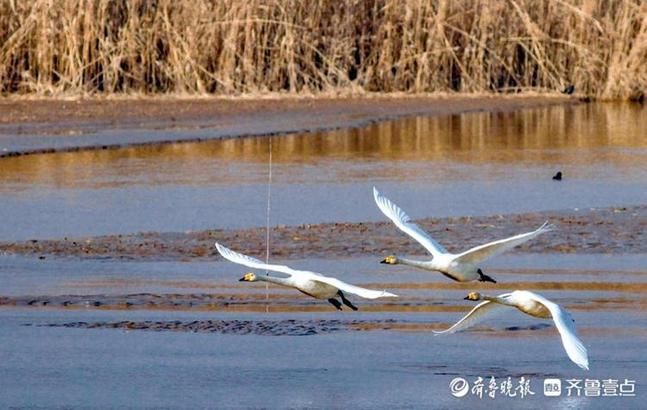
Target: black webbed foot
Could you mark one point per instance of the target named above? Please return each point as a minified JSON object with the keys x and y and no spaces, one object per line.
{"x":346,"y":301}
{"x":335,"y":303}
{"x":485,"y":278}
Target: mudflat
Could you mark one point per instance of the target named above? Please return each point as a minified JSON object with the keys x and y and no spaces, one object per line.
{"x":30,"y":126}
{"x":605,"y":230}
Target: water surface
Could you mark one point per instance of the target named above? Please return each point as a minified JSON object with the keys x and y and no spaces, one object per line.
{"x":463,"y":165}
{"x":472,"y":164}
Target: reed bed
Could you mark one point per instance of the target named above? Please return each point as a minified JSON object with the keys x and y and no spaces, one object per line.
{"x":233,"y":47}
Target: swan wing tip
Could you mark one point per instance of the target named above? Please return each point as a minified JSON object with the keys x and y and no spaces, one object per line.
{"x":546,"y":227}
{"x":377,"y":195}
{"x":583,"y":363}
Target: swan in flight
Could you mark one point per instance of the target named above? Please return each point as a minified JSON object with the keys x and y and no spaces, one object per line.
{"x":533,"y":305}
{"x":311,"y":283}
{"x":462,"y":267}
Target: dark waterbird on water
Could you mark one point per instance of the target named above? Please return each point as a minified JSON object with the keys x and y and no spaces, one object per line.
{"x":558,"y":176}
{"x":569,"y":89}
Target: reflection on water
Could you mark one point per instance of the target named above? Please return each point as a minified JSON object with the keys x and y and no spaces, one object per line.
{"x":322,"y":177}
{"x":586,"y":134}
{"x":472,"y":164}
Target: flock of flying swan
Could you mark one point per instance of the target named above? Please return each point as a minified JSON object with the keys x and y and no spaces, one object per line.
{"x":462,"y":267}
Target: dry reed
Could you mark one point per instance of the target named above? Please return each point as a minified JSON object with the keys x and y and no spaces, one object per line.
{"x":230,"y":47}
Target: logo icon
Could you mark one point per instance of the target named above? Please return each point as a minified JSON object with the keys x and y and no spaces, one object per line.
{"x":459,"y":387}
{"x":552,"y":387}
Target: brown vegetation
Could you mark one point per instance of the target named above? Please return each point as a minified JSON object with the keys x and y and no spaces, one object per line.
{"x":229,"y":47}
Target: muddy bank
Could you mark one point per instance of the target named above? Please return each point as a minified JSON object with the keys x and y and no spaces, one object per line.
{"x":239,"y":327}
{"x":606,"y":230}
{"x":41,"y":126}
{"x":227,"y":302}
{"x":409,"y":299}
{"x":289,"y":327}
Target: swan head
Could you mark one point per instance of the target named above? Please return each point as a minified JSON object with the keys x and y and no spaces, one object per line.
{"x":473,"y":296}
{"x":390,"y":260}
{"x":249,"y":277}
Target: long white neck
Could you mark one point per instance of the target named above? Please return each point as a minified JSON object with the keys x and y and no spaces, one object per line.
{"x":418,"y":264}
{"x":497,"y":299}
{"x":274,"y":279}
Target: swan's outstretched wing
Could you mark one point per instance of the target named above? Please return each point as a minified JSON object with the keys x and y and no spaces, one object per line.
{"x":250,"y":262}
{"x":343,"y":286}
{"x":480,"y":312}
{"x":566,"y":327}
{"x":355,"y":290}
{"x":482,"y":252}
{"x":402,"y":221}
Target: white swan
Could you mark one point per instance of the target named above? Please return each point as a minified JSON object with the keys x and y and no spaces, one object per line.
{"x":462,"y":267}
{"x":533,"y":305}
{"x":311,"y":283}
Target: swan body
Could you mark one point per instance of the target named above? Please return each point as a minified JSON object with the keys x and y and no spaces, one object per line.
{"x":310,"y":283}
{"x":533,"y":305}
{"x":462,"y":267}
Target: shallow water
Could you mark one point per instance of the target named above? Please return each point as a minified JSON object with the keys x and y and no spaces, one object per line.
{"x":473,"y":164}
{"x":69,"y":276}
{"x":370,"y":365}
{"x":464,"y":165}
{"x":365,"y":369}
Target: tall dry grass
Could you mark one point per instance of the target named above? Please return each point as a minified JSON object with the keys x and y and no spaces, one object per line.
{"x":310,"y":46}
